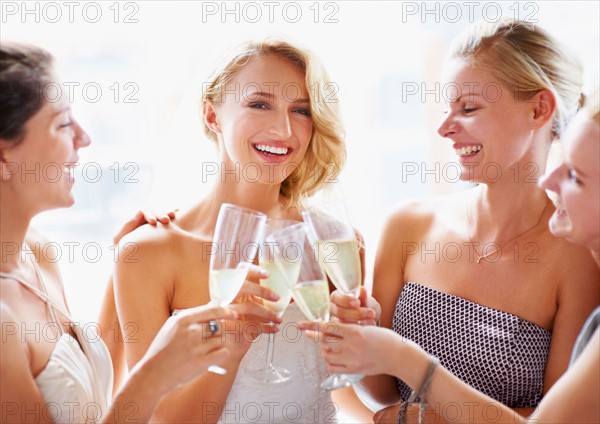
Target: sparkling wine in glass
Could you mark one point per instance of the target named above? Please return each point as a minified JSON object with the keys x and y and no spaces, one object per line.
{"x":235,"y":244}
{"x":311,"y":292}
{"x":281,"y":255}
{"x":332,"y":233}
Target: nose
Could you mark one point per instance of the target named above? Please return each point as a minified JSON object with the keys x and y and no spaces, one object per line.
{"x":82,"y":139}
{"x":550,"y":181}
{"x":281,"y":125}
{"x":448,"y":127}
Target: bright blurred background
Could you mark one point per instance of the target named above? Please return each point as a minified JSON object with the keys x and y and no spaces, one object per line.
{"x":137,"y":73}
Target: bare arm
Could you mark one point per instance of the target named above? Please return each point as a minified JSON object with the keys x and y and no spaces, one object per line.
{"x":144,"y":291}
{"x":574,"y":397}
{"x":389,"y":415}
{"x":380,"y":391}
{"x":112,"y":335}
{"x":352,"y":348}
{"x":22,"y":402}
{"x":578,"y":295}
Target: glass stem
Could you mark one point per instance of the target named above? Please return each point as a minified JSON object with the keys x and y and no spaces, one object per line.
{"x":270,"y":350}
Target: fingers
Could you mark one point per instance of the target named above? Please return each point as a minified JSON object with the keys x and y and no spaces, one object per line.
{"x":253,"y":289}
{"x":363,"y":296}
{"x":347,"y":309}
{"x":256,"y":273}
{"x":254,"y":311}
{"x":129,"y":226}
{"x":354,"y":316}
{"x":206,"y":313}
{"x":153,"y":218}
{"x":344,"y":300}
{"x":217,"y":355}
{"x":333,"y":329}
{"x":142,"y":217}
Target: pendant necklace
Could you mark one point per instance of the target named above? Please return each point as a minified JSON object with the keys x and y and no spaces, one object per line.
{"x":499,"y":248}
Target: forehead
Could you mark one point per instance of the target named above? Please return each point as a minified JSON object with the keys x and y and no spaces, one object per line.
{"x":581,"y":145}
{"x":462,"y":78}
{"x":269,"y":72}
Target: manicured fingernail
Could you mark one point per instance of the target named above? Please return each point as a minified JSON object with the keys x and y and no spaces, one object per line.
{"x":264,"y":273}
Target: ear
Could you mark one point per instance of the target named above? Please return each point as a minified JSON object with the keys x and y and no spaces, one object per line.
{"x":544,"y":105}
{"x":209,"y":111}
{"x":7,"y":168}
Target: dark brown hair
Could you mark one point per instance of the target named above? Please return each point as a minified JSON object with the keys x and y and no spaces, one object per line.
{"x":24,"y":71}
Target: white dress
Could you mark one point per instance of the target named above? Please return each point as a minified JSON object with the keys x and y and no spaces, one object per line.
{"x":299,"y":400}
{"x":76,"y":384}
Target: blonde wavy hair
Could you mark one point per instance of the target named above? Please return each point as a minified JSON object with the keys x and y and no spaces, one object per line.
{"x":592,"y":107}
{"x":326,"y":153}
{"x":525,"y":59}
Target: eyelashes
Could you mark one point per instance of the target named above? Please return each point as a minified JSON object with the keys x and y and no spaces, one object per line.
{"x":302,"y":111}
{"x":258,"y":105}
{"x":464,"y":110}
{"x":573,"y":176}
{"x":265,"y":106}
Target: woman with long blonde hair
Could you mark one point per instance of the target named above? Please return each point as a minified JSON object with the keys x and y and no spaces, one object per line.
{"x":279,"y":138}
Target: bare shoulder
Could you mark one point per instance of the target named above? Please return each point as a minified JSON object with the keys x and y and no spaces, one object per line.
{"x":44,"y":251}
{"x":158,"y":253}
{"x":578,"y":269}
{"x":148,"y":242}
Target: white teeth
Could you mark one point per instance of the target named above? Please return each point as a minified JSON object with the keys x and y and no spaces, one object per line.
{"x":559,"y":208}
{"x":272,"y":149}
{"x":467,"y":150}
{"x":70,"y":171}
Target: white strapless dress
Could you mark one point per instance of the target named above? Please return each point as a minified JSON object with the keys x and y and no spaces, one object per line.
{"x":299,"y":400}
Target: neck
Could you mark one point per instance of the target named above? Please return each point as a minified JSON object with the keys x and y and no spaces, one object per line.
{"x":499,"y":212}
{"x":264,"y":199}
{"x":14,"y":224}
{"x":253,"y":195}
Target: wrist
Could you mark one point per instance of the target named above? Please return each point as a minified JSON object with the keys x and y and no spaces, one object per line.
{"x":149,"y":382}
{"x":413,"y":363}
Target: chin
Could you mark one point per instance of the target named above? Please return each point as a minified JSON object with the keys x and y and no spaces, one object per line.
{"x":67,"y":202}
{"x":561,"y":227}
{"x":474,"y":179}
{"x":585,"y":239}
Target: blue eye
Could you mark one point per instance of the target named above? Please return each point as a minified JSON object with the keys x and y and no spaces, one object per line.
{"x":573,"y":176}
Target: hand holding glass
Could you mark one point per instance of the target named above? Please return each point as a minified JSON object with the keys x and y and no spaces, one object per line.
{"x":338,"y":252}
{"x":281,"y":255}
{"x":235,"y":243}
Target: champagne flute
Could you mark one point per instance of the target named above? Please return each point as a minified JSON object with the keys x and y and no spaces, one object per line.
{"x":235,"y":244}
{"x":281,"y":255}
{"x":332,"y":233}
{"x":311,"y":292}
